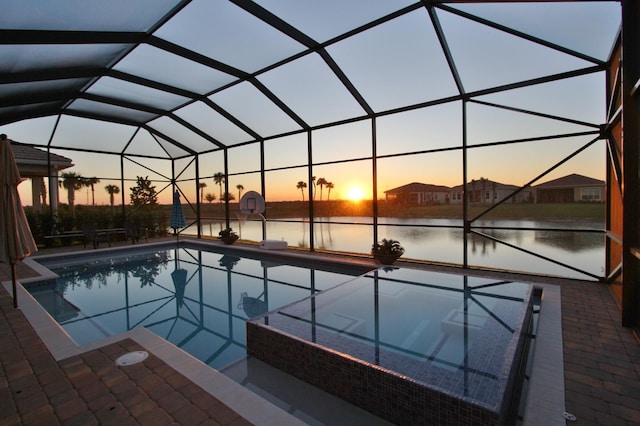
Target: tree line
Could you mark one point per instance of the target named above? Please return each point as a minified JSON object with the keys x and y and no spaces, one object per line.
{"x":219,"y":179}
{"x":73,"y":182}
{"x":142,"y":193}
{"x":321,"y":182}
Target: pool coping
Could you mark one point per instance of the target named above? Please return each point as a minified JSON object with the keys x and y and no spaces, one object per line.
{"x":545,"y":399}
{"x":545,"y":402}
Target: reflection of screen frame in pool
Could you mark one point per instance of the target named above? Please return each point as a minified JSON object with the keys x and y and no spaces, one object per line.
{"x":343,"y":363}
{"x":260,"y":268}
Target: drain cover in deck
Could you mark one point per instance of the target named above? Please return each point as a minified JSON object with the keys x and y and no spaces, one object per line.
{"x":131,"y":358}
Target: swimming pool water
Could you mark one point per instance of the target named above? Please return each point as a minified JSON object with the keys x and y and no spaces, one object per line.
{"x":408,"y":345}
{"x":197,"y":299}
{"x":404,"y":344}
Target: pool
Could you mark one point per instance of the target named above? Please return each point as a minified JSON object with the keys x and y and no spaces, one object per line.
{"x":407,"y":345}
{"x":413,"y":347}
{"x":195,"y":298}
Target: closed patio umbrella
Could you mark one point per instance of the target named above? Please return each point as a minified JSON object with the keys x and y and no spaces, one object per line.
{"x":177,"y":215}
{"x":15,"y":234}
{"x":179,"y":278}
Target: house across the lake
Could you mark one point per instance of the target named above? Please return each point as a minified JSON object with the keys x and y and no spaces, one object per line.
{"x":572,"y":188}
{"x":418,"y":194}
{"x":486,"y":191}
{"x":568,"y":189}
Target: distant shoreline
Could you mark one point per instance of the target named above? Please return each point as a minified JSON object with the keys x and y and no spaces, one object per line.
{"x":338,"y":208}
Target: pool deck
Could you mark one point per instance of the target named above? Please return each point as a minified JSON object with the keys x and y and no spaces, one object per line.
{"x":44,"y":380}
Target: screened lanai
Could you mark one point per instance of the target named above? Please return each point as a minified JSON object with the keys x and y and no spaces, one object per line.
{"x":435,"y":123}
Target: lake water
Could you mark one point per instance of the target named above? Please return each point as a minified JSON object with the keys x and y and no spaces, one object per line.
{"x":581,"y":254}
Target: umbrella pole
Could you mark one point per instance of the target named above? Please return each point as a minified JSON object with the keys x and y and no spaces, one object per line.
{"x":13,"y":280}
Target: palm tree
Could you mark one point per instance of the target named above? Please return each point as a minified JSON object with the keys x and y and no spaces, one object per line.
{"x":321,"y":183}
{"x":91,"y":182}
{"x":301,"y":186}
{"x":240,"y":188}
{"x":202,"y":186}
{"x":112,"y":190}
{"x":72,"y":182}
{"x":218,"y":179}
{"x":209,"y":197}
{"x":329,"y":186}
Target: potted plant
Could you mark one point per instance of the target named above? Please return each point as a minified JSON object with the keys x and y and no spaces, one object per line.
{"x":387,"y":251}
{"x":228,"y":236}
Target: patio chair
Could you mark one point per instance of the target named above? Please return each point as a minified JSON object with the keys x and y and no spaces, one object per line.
{"x":134,"y":232}
{"x":91,"y":235}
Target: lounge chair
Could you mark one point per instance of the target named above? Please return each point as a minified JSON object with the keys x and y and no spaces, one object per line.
{"x":94,"y":237}
{"x":134,"y":232}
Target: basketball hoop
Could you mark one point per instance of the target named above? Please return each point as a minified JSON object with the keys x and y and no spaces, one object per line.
{"x":252,"y":203}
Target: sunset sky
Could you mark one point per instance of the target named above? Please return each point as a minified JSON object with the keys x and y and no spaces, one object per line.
{"x":392,"y":65}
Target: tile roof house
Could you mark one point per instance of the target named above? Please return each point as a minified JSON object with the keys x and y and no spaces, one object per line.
{"x":486,"y":191}
{"x":33,"y":163}
{"x":418,"y":194}
{"x":571,"y":188}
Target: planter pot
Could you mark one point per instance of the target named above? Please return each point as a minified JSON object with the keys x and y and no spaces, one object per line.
{"x":386,"y":259}
{"x":228,"y":240}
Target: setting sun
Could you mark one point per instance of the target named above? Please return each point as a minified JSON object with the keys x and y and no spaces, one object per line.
{"x":355,"y":193}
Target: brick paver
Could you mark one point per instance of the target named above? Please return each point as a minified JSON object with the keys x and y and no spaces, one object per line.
{"x":89,"y":389}
{"x":601,"y":358}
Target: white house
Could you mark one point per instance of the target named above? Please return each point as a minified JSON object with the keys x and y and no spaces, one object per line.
{"x":486,"y":191}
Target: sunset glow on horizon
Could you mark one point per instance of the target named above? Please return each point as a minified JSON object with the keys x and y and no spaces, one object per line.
{"x":355,"y":193}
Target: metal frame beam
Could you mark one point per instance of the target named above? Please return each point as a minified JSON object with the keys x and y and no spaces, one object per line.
{"x":630,"y":163}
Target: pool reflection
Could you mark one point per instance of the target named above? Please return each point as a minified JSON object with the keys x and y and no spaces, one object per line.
{"x":198,"y":300}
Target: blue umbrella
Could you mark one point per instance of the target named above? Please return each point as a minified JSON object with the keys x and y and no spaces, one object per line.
{"x":177,"y":215}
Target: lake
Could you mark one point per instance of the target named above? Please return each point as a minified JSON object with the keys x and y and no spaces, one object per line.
{"x":442,"y":240}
